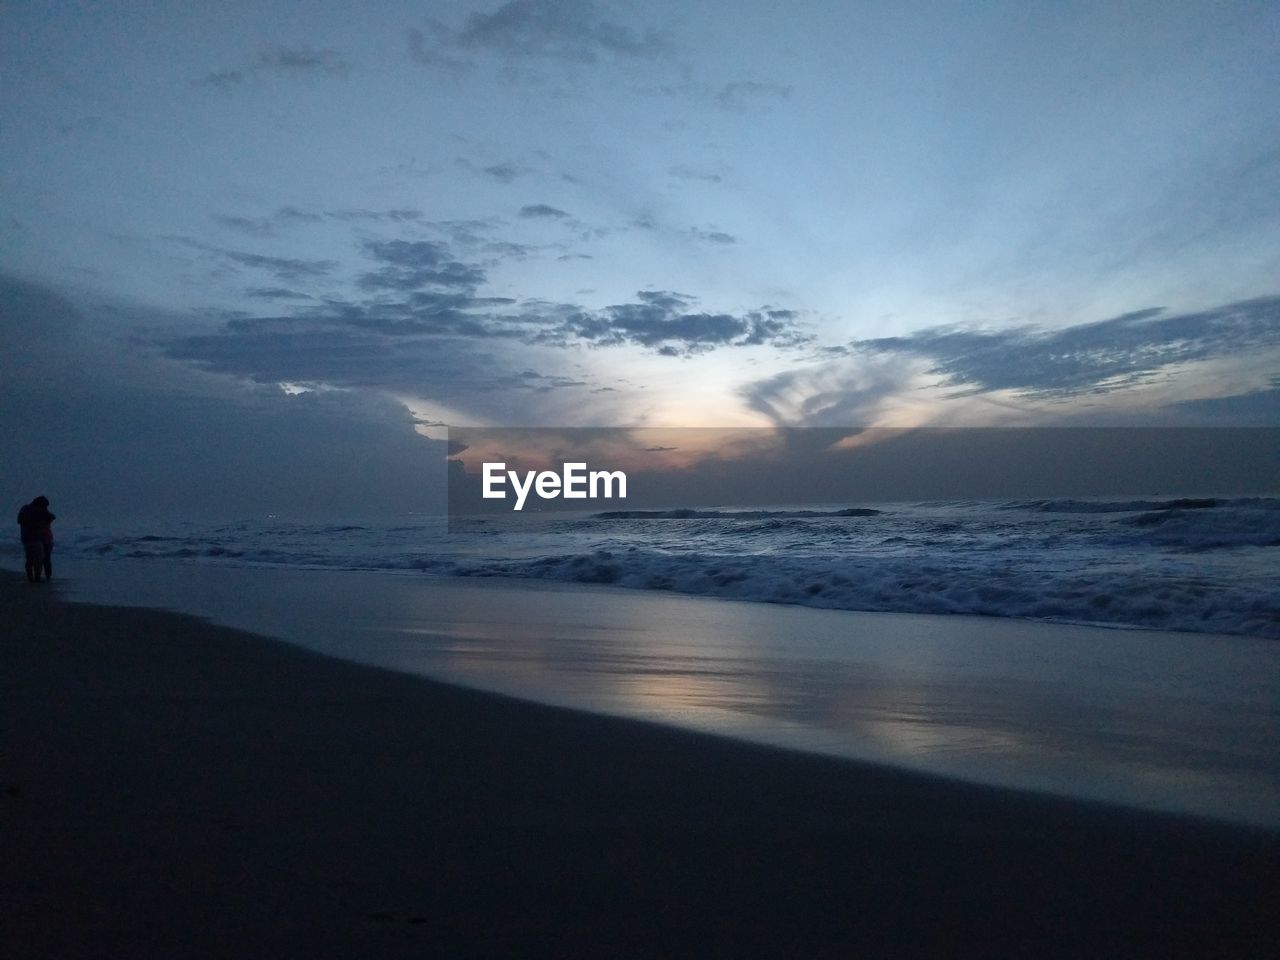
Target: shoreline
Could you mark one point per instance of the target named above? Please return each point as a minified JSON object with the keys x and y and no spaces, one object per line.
{"x":174,"y":788}
{"x":1174,"y":722}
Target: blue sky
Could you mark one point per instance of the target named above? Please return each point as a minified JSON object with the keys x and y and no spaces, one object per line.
{"x":566,"y":212}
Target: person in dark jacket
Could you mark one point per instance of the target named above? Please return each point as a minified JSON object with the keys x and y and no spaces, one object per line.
{"x":36,"y":524}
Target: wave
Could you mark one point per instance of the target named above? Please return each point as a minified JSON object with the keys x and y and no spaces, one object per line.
{"x":688,"y":514}
{"x":1166,"y":564}
{"x":1114,"y":506}
{"x":1254,"y":526}
{"x":1134,"y":598}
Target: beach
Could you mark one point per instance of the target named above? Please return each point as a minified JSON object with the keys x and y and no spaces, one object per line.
{"x":176,"y":789}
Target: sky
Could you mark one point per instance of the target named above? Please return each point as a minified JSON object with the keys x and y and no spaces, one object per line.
{"x":259,"y":250}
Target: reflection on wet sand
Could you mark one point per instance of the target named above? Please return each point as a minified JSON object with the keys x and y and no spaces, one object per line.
{"x":1172,"y":721}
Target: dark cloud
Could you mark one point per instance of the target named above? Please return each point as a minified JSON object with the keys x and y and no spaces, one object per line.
{"x":503,"y":172}
{"x":278,"y":59}
{"x":663,"y":321}
{"x":853,"y":384}
{"x":422,"y":289}
{"x":665,"y":299}
{"x":830,"y":394}
{"x":418,"y":325}
{"x":221,"y":79}
{"x":425,"y":341}
{"x":284,"y":217}
{"x":1092,"y":358}
{"x":713,"y":236}
{"x":305,"y":354}
{"x":284,"y":268}
{"x":507,"y":250}
{"x":254,"y":226}
{"x":467,"y":233}
{"x":462,"y":368}
{"x":735,"y":96}
{"x":129,"y":434}
{"x":293,"y":215}
{"x":301,"y":60}
{"x":540,"y":382}
{"x":400,"y":215}
{"x":541,"y":210}
{"x":288,"y":269}
{"x":277,"y":293}
{"x":411,"y":265}
{"x":682,"y":172}
{"x":567,"y":31}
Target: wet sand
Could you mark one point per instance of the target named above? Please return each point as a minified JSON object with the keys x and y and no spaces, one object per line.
{"x":174,"y":789}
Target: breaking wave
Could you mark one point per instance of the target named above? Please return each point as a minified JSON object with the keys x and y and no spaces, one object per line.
{"x":1199,"y":564}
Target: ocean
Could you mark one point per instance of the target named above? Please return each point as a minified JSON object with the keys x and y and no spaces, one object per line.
{"x":1203,"y":565}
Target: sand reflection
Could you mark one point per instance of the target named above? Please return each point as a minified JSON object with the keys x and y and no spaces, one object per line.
{"x":1171,"y":721}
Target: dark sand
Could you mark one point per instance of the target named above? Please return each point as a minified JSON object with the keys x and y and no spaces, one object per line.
{"x":172,"y":789}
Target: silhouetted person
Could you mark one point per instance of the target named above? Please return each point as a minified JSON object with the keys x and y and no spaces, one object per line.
{"x":36,"y":523}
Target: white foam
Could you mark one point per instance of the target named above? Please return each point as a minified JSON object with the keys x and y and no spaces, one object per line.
{"x":1139,"y":563}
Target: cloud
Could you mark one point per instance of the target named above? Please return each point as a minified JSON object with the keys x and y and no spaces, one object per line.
{"x":221,"y":79}
{"x":128,"y":433}
{"x":422,"y":334}
{"x":830,"y":394}
{"x":395,"y":215}
{"x":540,"y":382}
{"x":277,"y":293}
{"x":957,"y":374}
{"x":415,"y":322}
{"x":503,"y":172}
{"x":412,"y":265}
{"x":272,"y":350}
{"x":508,"y":250}
{"x":664,"y":322}
{"x":542,"y":211}
{"x":289,"y":269}
{"x":460,"y":367}
{"x":284,"y":268}
{"x":278,"y":59}
{"x":466,"y":233}
{"x":254,"y":226}
{"x":301,"y":60}
{"x":565,"y":31}
{"x":682,"y":172}
{"x":1095,"y":358}
{"x":286,"y":217}
{"x":739,"y":96}
{"x":736,"y":96}
{"x":713,"y":236}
